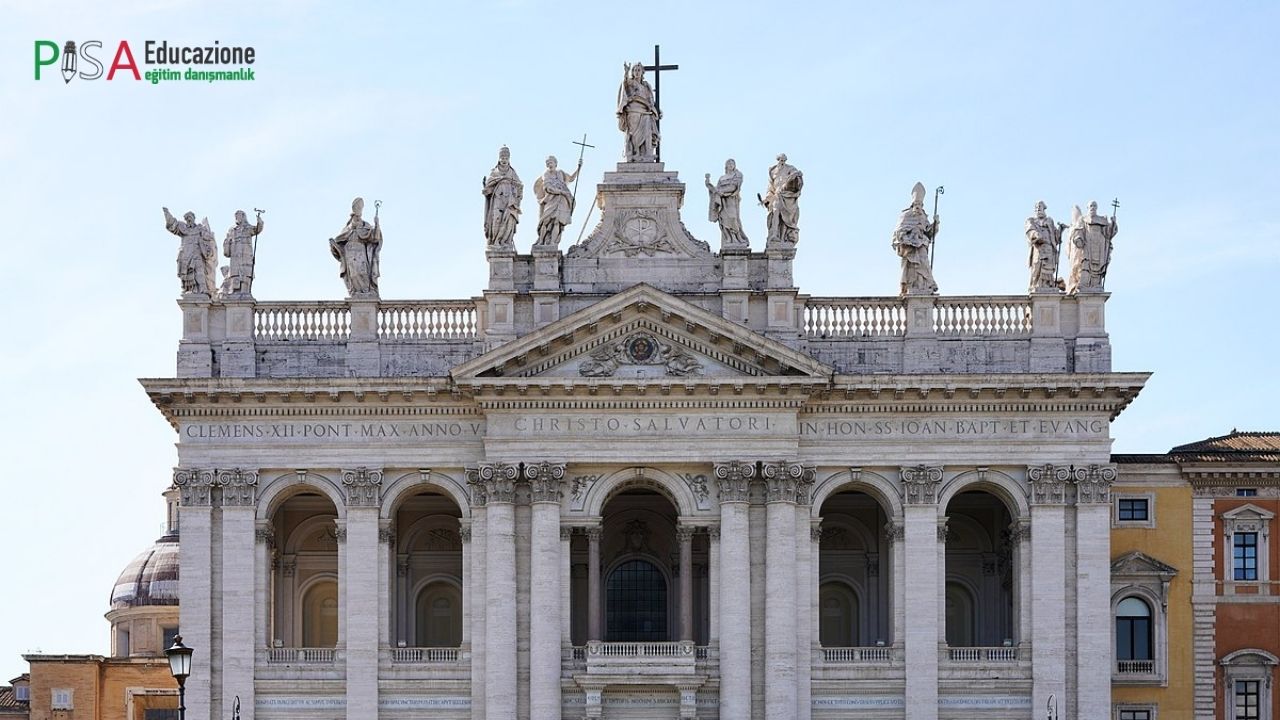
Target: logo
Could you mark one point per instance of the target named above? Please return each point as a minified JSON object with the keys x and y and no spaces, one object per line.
{"x":162,"y":62}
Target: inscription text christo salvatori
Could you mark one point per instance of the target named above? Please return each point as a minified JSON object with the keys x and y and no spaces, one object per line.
{"x":955,"y":427}
{"x":643,"y":425}
{"x":330,"y":430}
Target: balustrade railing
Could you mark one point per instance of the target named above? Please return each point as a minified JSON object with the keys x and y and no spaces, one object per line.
{"x":829,"y":317}
{"x":301,"y":656}
{"x":428,"y":320}
{"x":640,"y":649}
{"x":425,"y":655}
{"x":982,"y":654}
{"x":985,"y":316}
{"x":1136,"y":667}
{"x":856,"y":655}
{"x":301,"y":321}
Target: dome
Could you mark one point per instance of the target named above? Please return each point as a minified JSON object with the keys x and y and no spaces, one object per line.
{"x":151,"y":579}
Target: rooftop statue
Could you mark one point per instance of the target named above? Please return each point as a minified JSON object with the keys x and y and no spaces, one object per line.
{"x":240,"y":248}
{"x":555,"y":200}
{"x":356,"y":248}
{"x":726,"y":206}
{"x":1045,"y":239}
{"x":1090,"y":249}
{"x":912,"y":240}
{"x":197,"y":255}
{"x":503,"y":192}
{"x":638,"y":115}
{"x":782,"y":200}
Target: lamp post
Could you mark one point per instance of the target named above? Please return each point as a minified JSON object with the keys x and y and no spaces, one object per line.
{"x":180,"y":665}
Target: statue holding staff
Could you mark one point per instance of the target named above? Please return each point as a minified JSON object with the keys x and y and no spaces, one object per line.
{"x":503,"y":192}
{"x":912,"y":239}
{"x":555,"y":200}
{"x":638,"y":115}
{"x":1090,"y":249}
{"x":1044,"y":237}
{"x":356,"y":248}
{"x":197,"y":254}
{"x":726,"y":206}
{"x":240,"y":248}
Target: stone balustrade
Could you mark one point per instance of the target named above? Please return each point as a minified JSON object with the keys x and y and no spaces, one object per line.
{"x":982,"y":654}
{"x":878,"y":655}
{"x":301,"y":656}
{"x":641,"y":658}
{"x":1135,"y":667}
{"x":425,"y":655}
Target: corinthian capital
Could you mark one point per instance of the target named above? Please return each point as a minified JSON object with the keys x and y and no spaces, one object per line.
{"x":1093,"y":484}
{"x":786,"y":482}
{"x":498,"y":481}
{"x":195,"y":486}
{"x":1048,"y":484}
{"x":920,"y":484}
{"x":239,"y":487}
{"x":363,"y":486}
{"x":544,"y":480}
{"x":734,"y":480}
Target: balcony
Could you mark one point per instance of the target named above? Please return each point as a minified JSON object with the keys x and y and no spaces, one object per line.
{"x":425,"y":655}
{"x":301,"y":656}
{"x":1135,"y":667}
{"x":982,"y":655}
{"x":641,"y":658}
{"x":877,"y":655}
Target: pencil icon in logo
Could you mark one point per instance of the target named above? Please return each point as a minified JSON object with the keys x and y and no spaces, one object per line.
{"x":69,"y":61}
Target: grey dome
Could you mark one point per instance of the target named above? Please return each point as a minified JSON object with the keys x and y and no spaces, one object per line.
{"x":151,"y":579}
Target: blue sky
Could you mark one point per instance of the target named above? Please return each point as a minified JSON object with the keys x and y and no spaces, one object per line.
{"x":1169,"y":106}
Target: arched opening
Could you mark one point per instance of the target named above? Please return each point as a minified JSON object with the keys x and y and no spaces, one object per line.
{"x":853,"y":552}
{"x":636,"y":603}
{"x":320,"y":614}
{"x":428,"y":603}
{"x":980,"y":571}
{"x":438,"y":616}
{"x":838,"y":606}
{"x":306,"y":598}
{"x":1133,"y":630}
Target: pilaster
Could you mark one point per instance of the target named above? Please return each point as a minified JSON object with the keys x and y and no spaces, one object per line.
{"x":1204,"y":614}
{"x":733,"y":479}
{"x":195,"y":355}
{"x":363,"y":356}
{"x":360,"y":606}
{"x":1048,"y":349}
{"x":477,"y":602}
{"x":545,"y":480}
{"x":1093,"y":589}
{"x":238,"y":489}
{"x":922,"y":632}
{"x":782,"y":481}
{"x":195,"y":566}
{"x":500,"y":683}
{"x":1048,"y":590}
{"x":238,"y":358}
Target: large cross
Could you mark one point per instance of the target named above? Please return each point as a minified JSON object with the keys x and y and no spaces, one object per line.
{"x":656,"y":68}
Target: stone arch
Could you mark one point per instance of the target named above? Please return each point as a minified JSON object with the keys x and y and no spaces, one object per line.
{"x":308,"y":529}
{"x":408,"y":484}
{"x":999,"y":484}
{"x":958,"y":525}
{"x":274,"y":493}
{"x":408,"y":537}
{"x":1265,"y":657}
{"x":872,"y":483}
{"x":662,"y":482}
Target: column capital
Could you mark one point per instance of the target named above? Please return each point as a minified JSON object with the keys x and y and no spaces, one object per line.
{"x":1048,"y":484}
{"x":815,"y":533}
{"x":920,"y":484}
{"x":340,"y":531}
{"x":734,"y":478}
{"x":544,"y":481}
{"x":684,"y":533}
{"x":239,"y":487}
{"x":713,"y":533}
{"x":387,"y":534}
{"x":265,"y":534}
{"x":895,"y":532}
{"x":494,"y":482}
{"x":944,"y":532}
{"x":787,"y":481}
{"x":363,"y":486}
{"x":1019,"y":532}
{"x":1093,"y":484}
{"x":195,"y":486}
{"x":594,"y":533}
{"x":566,"y":532}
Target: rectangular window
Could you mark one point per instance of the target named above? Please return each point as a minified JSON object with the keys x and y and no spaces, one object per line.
{"x":1135,"y":715}
{"x":1246,"y":492}
{"x":62,"y":699}
{"x":169,"y":634}
{"x":1247,"y":700}
{"x":22,"y":693}
{"x":1133,"y":510}
{"x":1244,"y":554}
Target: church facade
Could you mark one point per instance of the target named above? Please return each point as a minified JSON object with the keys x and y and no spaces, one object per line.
{"x":639,"y":478}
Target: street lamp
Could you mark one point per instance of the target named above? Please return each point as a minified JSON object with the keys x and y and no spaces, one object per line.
{"x":180,"y":665}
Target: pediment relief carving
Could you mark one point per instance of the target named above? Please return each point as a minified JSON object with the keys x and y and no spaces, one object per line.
{"x":1137,"y":564}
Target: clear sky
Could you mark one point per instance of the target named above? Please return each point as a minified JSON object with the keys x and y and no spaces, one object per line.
{"x":1169,"y":106}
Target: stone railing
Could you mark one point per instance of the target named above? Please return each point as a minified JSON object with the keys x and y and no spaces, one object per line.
{"x":641,"y":658}
{"x":878,"y":655}
{"x":640,"y":649}
{"x":286,"y":321}
{"x":829,"y":317}
{"x":982,"y":654}
{"x":982,"y":316}
{"x":423,"y":655}
{"x":428,"y":320}
{"x":301,"y":656}
{"x":1135,"y":667}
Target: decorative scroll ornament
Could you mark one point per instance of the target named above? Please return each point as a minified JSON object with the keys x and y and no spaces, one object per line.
{"x":734,"y":479}
{"x":498,"y":481}
{"x":920,"y":484}
{"x":785,"y":481}
{"x":1093,"y":484}
{"x":1048,"y":484}
{"x":544,"y":480}
{"x":195,"y":486}
{"x":239,"y":487}
{"x":895,"y":532}
{"x":363,"y":486}
{"x":264,"y":534}
{"x":639,"y":349}
{"x":387,"y":535}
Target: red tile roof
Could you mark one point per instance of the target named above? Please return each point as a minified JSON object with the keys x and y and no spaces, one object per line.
{"x":1235,"y":446}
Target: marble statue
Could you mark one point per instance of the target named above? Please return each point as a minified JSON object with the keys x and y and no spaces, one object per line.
{"x":555,"y":201}
{"x":1045,"y":239}
{"x":503,"y":192}
{"x":356,"y":248}
{"x":726,"y":206}
{"x":197,"y":254}
{"x":1090,"y":249}
{"x":782,"y":201}
{"x":240,"y":250}
{"x":637,"y":115}
{"x":912,"y":240}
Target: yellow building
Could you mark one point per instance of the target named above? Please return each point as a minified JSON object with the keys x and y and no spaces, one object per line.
{"x":1152,"y":661}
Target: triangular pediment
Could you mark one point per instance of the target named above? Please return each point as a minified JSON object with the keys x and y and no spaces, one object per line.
{"x":1138,"y":563}
{"x":643,"y":334}
{"x":1248,"y":511}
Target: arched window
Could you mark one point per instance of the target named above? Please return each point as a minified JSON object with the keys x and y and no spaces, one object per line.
{"x":1133,"y":630}
{"x":960,"y":611}
{"x":838,"y":623}
{"x":439,"y":616}
{"x":636,"y":603}
{"x":320,"y":615}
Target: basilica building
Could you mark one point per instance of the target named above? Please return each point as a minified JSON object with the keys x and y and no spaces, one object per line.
{"x":639,"y":477}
